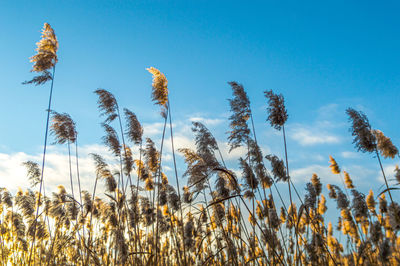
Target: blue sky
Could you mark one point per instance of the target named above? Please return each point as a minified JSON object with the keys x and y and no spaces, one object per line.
{"x":322,"y":56}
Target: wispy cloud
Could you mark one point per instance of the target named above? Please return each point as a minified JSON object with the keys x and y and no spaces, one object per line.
{"x":13,"y":173}
{"x":207,"y":121}
{"x":349,"y":155}
{"x":307,"y":136}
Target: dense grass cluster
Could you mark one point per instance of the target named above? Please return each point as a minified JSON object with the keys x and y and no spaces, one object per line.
{"x":217,"y":218}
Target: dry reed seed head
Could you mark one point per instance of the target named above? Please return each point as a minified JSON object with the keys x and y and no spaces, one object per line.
{"x":273,"y":218}
{"x":231,"y":181}
{"x":221,"y":186}
{"x":197,"y":170}
{"x":259,"y":210}
{"x":151,"y":155}
{"x":310,"y":198}
{"x":149,"y":184}
{"x":256,"y":159}
{"x":252,"y":219}
{"x":62,"y":191}
{"x":277,"y":114}
{"x":291,"y":215}
{"x":188,"y":234}
{"x":187,"y":195}
{"x":382,"y":204}
{"x":108,"y":105}
{"x":63,"y":128}
{"x":219,"y":211}
{"x":147,"y":211}
{"x":364,"y":140}
{"x":365,"y":226}
{"x":359,"y":205}
{"x":203,"y":215}
{"x":332,"y":192}
{"x":127,"y":159}
{"x":376,"y":232}
{"x":26,"y":203}
{"x":371,"y":202}
{"x":46,"y":56}
{"x":397,"y":174}
{"x":141,"y":170}
{"x":385,"y":250}
{"x":100,"y":163}
{"x":278,"y":168}
{"x":111,"y":140}
{"x":241,"y":112}
{"x":87,"y":201}
{"x":385,"y":145}
{"x":341,"y":200}
{"x":322,"y":205}
{"x":173,"y":199}
{"x":334,"y":166}
{"x":160,"y":87}
{"x":394,"y":216}
{"x":348,"y":181}
{"x":316,"y":182}
{"x":134,"y":129}
{"x":33,"y":172}
{"x":339,"y":224}
{"x":111,"y":184}
{"x":250,"y":179}
{"x":205,"y":141}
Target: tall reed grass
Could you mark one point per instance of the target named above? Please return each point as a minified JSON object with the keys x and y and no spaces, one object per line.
{"x":217,"y":218}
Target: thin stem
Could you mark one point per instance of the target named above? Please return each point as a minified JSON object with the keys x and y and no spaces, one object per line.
{"x":288,"y":176}
{"x":176,"y":177}
{"x":158,"y":175}
{"x":383,"y":173}
{"x":43,"y":163}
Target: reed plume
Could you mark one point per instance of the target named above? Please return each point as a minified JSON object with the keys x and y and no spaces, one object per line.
{"x":160,"y":89}
{"x":107,"y":105}
{"x":240,"y":108}
{"x":366,"y":141}
{"x":46,"y":57}
{"x":277,"y":114}
{"x":43,"y":62}
{"x":63,"y":128}
{"x":385,"y":145}
{"x":361,"y":130}
{"x":33,"y":172}
{"x":134,"y":128}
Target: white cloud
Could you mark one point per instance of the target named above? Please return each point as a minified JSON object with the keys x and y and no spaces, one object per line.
{"x":349,"y":155}
{"x":206,"y":121}
{"x":13,"y":174}
{"x":304,"y":174}
{"x":389,"y":173}
{"x":310,"y":136}
{"x":153,"y":129}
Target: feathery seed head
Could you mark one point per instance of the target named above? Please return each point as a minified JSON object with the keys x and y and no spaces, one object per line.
{"x":278,"y":168}
{"x":334,"y":166}
{"x":348,"y":181}
{"x":34,"y":172}
{"x":46,"y":57}
{"x":364,"y":140}
{"x":63,"y":128}
{"x":385,"y":145}
{"x":134,"y":128}
{"x":240,"y":108}
{"x":108,"y":105}
{"x":160,"y":89}
{"x":277,"y":114}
